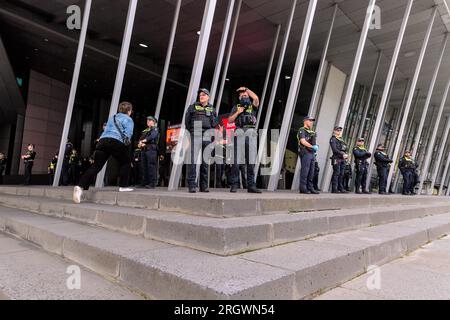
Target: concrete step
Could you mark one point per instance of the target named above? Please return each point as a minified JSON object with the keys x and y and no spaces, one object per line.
{"x":225,"y":204}
{"x":222,"y":236}
{"x":29,"y":273}
{"x":163,"y":271}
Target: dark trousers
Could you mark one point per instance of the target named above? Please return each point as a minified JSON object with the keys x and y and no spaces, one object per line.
{"x":108,"y":148}
{"x":361,"y":178}
{"x":2,"y":169}
{"x":408,"y":181}
{"x":197,"y":148}
{"x":27,"y":173}
{"x":337,"y":181}
{"x":74,"y":174}
{"x":65,"y":173}
{"x":220,"y":168}
{"x":137,"y":173}
{"x":249,"y":163}
{"x":382,"y":178}
{"x":149,"y":162}
{"x":307,"y":171}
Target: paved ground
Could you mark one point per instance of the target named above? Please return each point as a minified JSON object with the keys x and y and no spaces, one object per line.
{"x":27,"y":273}
{"x":423,"y":275}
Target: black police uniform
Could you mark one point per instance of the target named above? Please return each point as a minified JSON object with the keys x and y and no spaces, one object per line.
{"x":52,"y":169}
{"x":66,"y":165}
{"x":316,"y":174}
{"x":308,"y":159}
{"x":382,"y":161}
{"x":149,"y":157}
{"x":2,"y":169}
{"x":74,"y":168}
{"x":246,"y":121}
{"x":361,"y":155}
{"x":137,"y":170}
{"x":408,"y":169}
{"x":339,"y":148}
{"x":29,"y":166}
{"x":206,"y":115}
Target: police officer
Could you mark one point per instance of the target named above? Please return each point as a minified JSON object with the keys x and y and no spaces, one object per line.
{"x":361,"y":155}
{"x":149,"y":157}
{"x":137,"y":169}
{"x":307,"y":152}
{"x":203,"y":113}
{"x":52,"y":167}
{"x":348,"y":173}
{"x":66,"y":165}
{"x":2,"y":166}
{"x":339,"y":148}
{"x":243,"y":116}
{"x":383,"y":162}
{"x":75,"y":167}
{"x":28,"y":159}
{"x":408,"y":168}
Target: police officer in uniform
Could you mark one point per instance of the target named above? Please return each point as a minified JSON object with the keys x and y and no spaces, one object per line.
{"x":65,"y":174}
{"x":137,"y":169}
{"x":339,"y":148}
{"x":203,"y":113}
{"x":408,"y":168}
{"x":383,"y":162}
{"x":361,"y":155}
{"x":243,"y":116}
{"x":75,"y":167}
{"x":348,"y":173}
{"x":28,"y":159}
{"x":148,"y":143}
{"x":307,"y":152}
{"x":52,"y":167}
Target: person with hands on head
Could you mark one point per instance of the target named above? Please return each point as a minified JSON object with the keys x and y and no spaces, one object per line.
{"x":307,"y":141}
{"x":243,"y":116}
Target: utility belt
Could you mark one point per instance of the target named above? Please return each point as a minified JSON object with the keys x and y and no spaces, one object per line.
{"x":382,"y":165}
{"x":302,"y":150}
{"x":150,"y":146}
{"x":28,"y":161}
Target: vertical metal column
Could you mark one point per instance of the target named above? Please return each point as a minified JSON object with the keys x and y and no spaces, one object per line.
{"x":369,"y":98}
{"x":120,"y":73}
{"x":168,"y":57}
{"x":228,"y":58}
{"x":222,"y":47}
{"x":269,"y":71}
{"x":389,"y":79}
{"x":73,"y":91}
{"x":444,"y":175}
{"x":317,"y":88}
{"x":351,"y":84}
{"x":277,"y":158}
{"x":197,"y":70}
{"x":432,"y":141}
{"x":441,"y":152}
{"x":429,"y":96}
{"x":273,"y":94}
{"x":411,"y":95}
{"x":394,"y":136}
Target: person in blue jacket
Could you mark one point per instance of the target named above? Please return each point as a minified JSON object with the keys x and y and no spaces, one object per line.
{"x":114,"y":142}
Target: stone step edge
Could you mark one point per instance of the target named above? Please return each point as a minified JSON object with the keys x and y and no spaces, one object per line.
{"x":217,"y":207}
{"x":213,"y":235}
{"x":431,"y":234}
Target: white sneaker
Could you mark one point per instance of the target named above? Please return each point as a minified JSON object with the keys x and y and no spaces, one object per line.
{"x":77,"y":194}
{"x":126,"y":190}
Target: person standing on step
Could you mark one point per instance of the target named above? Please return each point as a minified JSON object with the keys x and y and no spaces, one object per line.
{"x":148,"y":143}
{"x":52,"y":168}
{"x":28,"y":159}
{"x":383,"y":163}
{"x":65,"y":171}
{"x":114,"y":142}
{"x":75,"y":167}
{"x":2,"y":166}
{"x":361,"y":156}
{"x":408,"y":168}
{"x":243,"y":115}
{"x":348,"y":173}
{"x":307,"y":150}
{"x":204,"y":114}
{"x":339,"y":158}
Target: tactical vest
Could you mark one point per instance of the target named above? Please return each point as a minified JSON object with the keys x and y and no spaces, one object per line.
{"x":247,"y":119}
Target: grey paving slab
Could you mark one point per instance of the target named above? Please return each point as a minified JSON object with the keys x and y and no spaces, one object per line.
{"x":36,"y":275}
